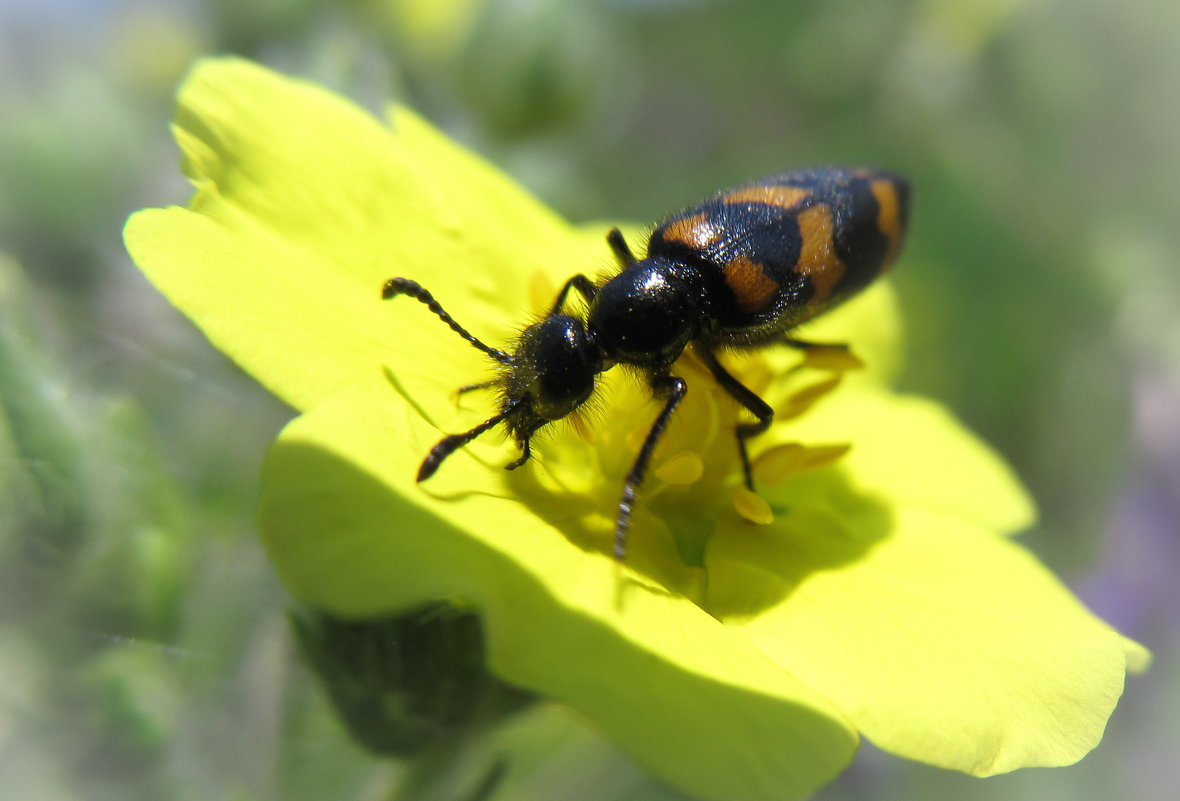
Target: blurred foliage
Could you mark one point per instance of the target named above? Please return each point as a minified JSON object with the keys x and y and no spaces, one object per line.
{"x":143,"y":650}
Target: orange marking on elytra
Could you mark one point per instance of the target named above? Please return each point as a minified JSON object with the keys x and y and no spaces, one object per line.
{"x":888,"y":217}
{"x":817,"y":258}
{"x":787,"y":197}
{"x":752,"y":287}
{"x":696,"y":231}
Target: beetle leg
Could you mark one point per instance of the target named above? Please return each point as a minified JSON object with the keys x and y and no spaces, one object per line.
{"x":578,"y":282}
{"x":463,"y":390}
{"x":619,"y":247}
{"x":746,"y":397}
{"x":524,"y":457}
{"x":672,"y":389}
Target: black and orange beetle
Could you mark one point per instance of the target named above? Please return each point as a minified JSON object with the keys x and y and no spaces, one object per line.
{"x":739,"y":270}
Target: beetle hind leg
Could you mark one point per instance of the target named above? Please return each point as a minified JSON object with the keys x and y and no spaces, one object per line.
{"x":746,"y":397}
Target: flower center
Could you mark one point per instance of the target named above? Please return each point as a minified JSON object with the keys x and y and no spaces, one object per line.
{"x":695,"y":479}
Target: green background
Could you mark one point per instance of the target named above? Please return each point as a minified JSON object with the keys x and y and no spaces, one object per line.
{"x":144,"y":649}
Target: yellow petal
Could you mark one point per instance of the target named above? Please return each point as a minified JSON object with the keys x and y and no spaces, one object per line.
{"x":306,"y":204}
{"x":942,"y":642}
{"x":350,"y":531}
{"x":911,"y":451}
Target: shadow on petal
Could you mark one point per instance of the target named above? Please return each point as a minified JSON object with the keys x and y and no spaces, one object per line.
{"x":821,"y":523}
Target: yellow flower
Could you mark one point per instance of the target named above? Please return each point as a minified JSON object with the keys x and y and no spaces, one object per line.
{"x":735,"y":660}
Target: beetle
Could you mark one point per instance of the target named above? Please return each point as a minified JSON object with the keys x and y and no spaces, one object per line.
{"x":736,"y":271}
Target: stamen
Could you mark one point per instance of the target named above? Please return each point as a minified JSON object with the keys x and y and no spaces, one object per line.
{"x":836,"y":358}
{"x":686,"y":467}
{"x":823,"y":455}
{"x":805,"y":398}
{"x":752,"y":506}
{"x":778,"y":463}
{"x":775,"y":464}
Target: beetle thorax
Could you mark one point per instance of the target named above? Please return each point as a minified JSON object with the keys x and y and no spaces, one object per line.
{"x":646,"y":315}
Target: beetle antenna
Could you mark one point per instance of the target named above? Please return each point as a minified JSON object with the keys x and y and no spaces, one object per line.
{"x":404,"y":286}
{"x":448,"y":445}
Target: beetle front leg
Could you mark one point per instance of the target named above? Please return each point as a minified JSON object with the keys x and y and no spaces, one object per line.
{"x":620,"y":248}
{"x":578,"y":282}
{"x":672,"y":389}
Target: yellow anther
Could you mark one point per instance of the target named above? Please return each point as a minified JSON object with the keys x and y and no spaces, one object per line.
{"x":802,"y":400}
{"x":752,"y":507}
{"x":836,"y":358}
{"x":821,"y":455}
{"x":685,"y":467}
{"x":777,"y":463}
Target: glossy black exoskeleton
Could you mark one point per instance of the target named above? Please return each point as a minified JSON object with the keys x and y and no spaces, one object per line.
{"x":737,"y":271}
